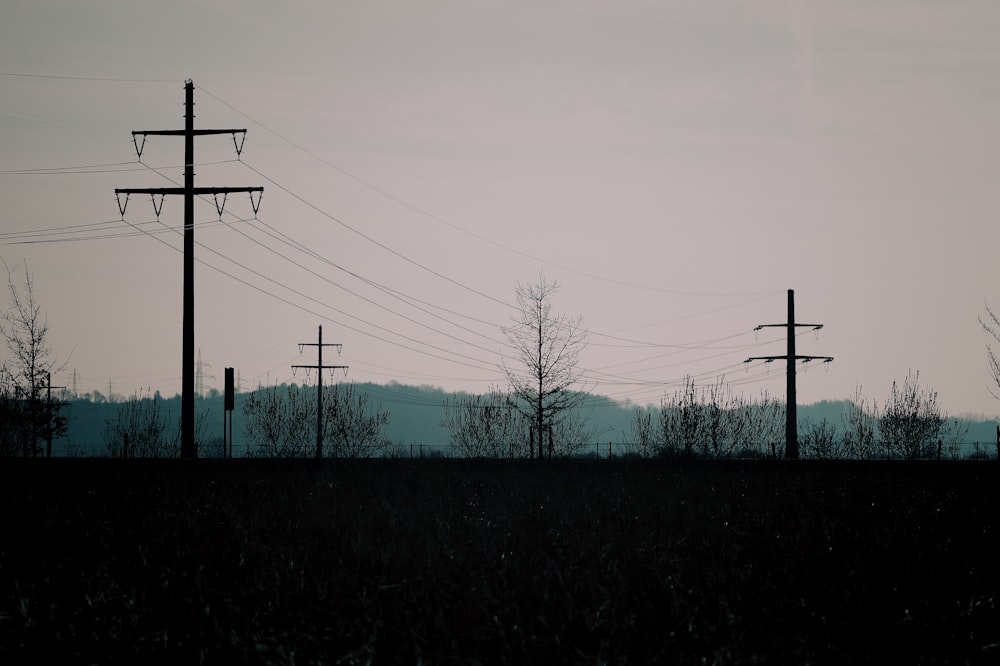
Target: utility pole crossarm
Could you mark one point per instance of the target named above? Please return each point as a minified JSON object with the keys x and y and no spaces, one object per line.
{"x":321,"y":367}
{"x":812,"y":326}
{"x":197,"y":132}
{"x":798,"y":357}
{"x":197,"y":191}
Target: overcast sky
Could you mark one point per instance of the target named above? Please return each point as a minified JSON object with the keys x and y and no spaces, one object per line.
{"x":675,"y":166}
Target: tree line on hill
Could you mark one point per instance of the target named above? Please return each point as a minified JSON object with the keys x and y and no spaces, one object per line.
{"x":694,"y":421}
{"x":546,"y":411}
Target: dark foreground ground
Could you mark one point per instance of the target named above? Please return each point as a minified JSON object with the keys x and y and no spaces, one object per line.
{"x":464,"y":562}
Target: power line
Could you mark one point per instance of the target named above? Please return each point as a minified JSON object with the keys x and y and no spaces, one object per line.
{"x":389,"y":291}
{"x":43,"y":236}
{"x":103,"y":79}
{"x":305,"y":309}
{"x":380,"y":244}
{"x":378,"y":305}
{"x":349,"y":227}
{"x":456,"y":227}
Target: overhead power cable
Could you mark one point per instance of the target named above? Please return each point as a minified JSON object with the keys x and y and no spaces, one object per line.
{"x":458,"y":228}
{"x":71,"y":234}
{"x":380,"y":244}
{"x":104,"y":79}
{"x":285,"y":239}
{"x":297,"y":264}
{"x":309,"y":311}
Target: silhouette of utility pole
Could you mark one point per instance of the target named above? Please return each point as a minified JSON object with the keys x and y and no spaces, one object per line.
{"x":791,"y":410}
{"x":319,"y":367}
{"x":188,"y":447}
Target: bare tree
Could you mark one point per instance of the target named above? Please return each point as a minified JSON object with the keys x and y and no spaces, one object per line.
{"x":860,"y":421}
{"x":280,"y":422}
{"x":643,"y":440}
{"x":991,"y":324}
{"x":14,"y":439}
{"x":485,"y":426}
{"x":682,"y":422}
{"x":573,"y":432}
{"x":708,"y":422}
{"x":912,"y":422}
{"x":820,"y":441}
{"x":724,"y":430}
{"x":353,"y":427}
{"x":762,"y":426}
{"x":547,"y":346}
{"x":140,"y":430}
{"x":953,"y":433}
{"x":30,"y":364}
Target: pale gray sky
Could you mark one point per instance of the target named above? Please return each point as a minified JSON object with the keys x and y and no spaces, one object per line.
{"x":676,"y":166}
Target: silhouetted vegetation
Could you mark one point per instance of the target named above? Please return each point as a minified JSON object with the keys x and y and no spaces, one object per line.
{"x":275,"y":562}
{"x":281,"y":422}
{"x":486,"y":426}
{"x":28,"y":415}
{"x":544,"y":377}
{"x":141,"y":429}
{"x":709,"y":422}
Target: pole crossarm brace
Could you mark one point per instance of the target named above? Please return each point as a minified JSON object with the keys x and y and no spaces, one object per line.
{"x":197,"y":132}
{"x":197,"y":191}
{"x":815,"y":327}
{"x":825,"y":359}
{"x":189,"y":448}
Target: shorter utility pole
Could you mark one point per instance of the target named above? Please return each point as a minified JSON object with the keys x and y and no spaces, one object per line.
{"x":319,"y":367}
{"x":791,"y":409}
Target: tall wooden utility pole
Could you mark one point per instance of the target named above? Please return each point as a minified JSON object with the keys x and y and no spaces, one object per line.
{"x":319,"y":367}
{"x":791,"y":409}
{"x":188,"y":447}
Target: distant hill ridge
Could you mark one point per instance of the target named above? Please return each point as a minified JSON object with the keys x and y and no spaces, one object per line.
{"x":415,"y":413}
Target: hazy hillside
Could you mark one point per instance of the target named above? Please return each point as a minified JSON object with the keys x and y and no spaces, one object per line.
{"x":415,"y":414}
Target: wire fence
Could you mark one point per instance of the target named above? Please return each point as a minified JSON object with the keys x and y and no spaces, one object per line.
{"x":606,"y":450}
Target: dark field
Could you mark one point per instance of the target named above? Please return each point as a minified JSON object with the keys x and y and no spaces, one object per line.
{"x":464,"y":562}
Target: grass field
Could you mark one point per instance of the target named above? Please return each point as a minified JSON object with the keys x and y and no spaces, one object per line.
{"x":447,"y":561}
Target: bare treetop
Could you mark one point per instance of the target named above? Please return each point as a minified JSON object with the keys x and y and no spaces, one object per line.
{"x":547,"y":347}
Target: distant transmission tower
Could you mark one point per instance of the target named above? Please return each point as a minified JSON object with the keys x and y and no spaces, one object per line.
{"x":199,"y":379}
{"x":200,"y":376}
